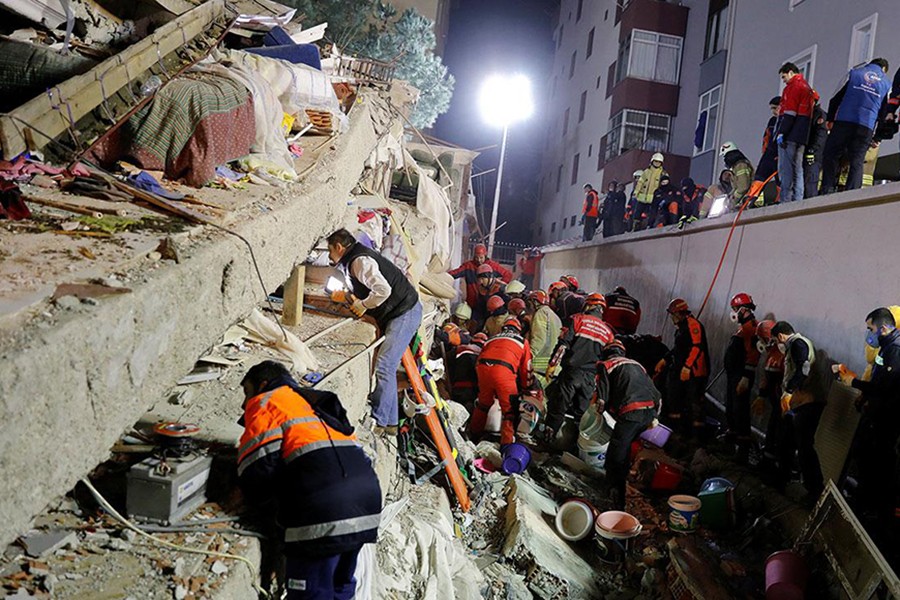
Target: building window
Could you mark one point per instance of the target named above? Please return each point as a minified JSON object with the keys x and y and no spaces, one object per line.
{"x":552,"y":226}
{"x":806,"y":62}
{"x":572,"y":64}
{"x":572,"y":222}
{"x":541,"y":230}
{"x":590,"y":150}
{"x":793,"y":3}
{"x":575,"y":168}
{"x":590,"y":44}
{"x":862,"y":42}
{"x":707,"y":121}
{"x":716,"y":29}
{"x":560,"y":38}
{"x":578,"y":10}
{"x":598,"y":82}
{"x":565,"y":123}
{"x":582,"y":106}
{"x":637,"y":130}
{"x":564,"y":223}
{"x":558,"y":178}
{"x":649,"y":55}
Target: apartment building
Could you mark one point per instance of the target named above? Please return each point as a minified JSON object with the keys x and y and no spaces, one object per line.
{"x":635,"y":77}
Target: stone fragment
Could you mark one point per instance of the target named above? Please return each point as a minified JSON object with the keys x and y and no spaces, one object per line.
{"x":180,"y":592}
{"x":68,"y":303}
{"x":41,"y":544}
{"x":219,"y":568}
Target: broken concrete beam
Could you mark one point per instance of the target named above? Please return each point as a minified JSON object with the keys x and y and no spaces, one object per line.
{"x":115,"y":361}
{"x":292,"y":312}
{"x":552,"y":568}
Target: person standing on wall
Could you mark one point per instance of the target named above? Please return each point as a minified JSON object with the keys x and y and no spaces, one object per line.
{"x":631,"y":210}
{"x":852,"y":115}
{"x":815,"y":146}
{"x":590,"y":212}
{"x":645,"y":211}
{"x":768,"y":160}
{"x":613,"y":212}
{"x":380,"y":289}
{"x":299,"y":462}
{"x":792,"y":130}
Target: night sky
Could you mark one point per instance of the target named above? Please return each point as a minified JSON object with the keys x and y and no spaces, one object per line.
{"x":505,"y":36}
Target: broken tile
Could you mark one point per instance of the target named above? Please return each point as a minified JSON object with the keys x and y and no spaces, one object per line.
{"x":41,"y":544}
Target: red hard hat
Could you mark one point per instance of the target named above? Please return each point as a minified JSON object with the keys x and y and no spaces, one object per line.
{"x":764,"y":330}
{"x":741,"y":299}
{"x":513,"y":323}
{"x":571,"y":281}
{"x":480,"y":250}
{"x":594,"y":300}
{"x":516,"y":306}
{"x":480,"y":338}
{"x":539,"y":296}
{"x":485,"y":268}
{"x":494,"y":303}
{"x":557,"y":285}
{"x":678,"y":305}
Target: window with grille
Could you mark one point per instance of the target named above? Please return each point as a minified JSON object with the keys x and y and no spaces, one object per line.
{"x":637,"y":130}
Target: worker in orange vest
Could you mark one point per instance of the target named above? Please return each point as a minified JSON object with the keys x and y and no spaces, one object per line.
{"x":590,"y":212}
{"x":686,"y":385}
{"x":504,"y":372}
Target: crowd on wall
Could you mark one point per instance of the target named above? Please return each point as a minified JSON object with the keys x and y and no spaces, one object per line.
{"x":807,"y":150}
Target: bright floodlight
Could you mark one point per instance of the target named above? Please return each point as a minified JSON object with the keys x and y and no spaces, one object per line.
{"x":506,"y":99}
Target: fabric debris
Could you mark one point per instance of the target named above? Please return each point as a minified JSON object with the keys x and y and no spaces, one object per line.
{"x":262,"y":330}
{"x":11,"y":204}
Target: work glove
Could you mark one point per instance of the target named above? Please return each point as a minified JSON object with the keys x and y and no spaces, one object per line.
{"x":685,"y":373}
{"x":743,"y":386}
{"x":681,"y":222}
{"x":779,"y":139}
{"x":759,"y":202}
{"x":341,"y":297}
{"x":810,"y":158}
{"x":758,"y":406}
{"x":357,"y":308}
{"x":786,"y":403}
{"x":845,"y":375}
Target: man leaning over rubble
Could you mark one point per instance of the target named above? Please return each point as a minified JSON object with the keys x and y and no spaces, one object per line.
{"x":299,"y":460}
{"x":380,"y":289}
{"x":468,"y":271}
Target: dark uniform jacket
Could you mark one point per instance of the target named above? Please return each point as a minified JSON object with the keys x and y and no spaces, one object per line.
{"x":690,"y":348}
{"x":625,"y":387}
{"x":584,"y":341}
{"x":881,"y":394}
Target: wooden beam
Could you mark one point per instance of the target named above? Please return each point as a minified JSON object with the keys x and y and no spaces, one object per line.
{"x":53,"y":112}
{"x":292,"y":313}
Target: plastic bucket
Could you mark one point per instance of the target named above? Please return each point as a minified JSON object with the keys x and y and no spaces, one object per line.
{"x":786,"y":576}
{"x":595,"y":427}
{"x":574,"y":520}
{"x":494,"y":418}
{"x":666,"y":477}
{"x":617,"y":525}
{"x":515,"y":459}
{"x":684,"y":513}
{"x":592,"y":453}
{"x":657,"y":436}
{"x":714,"y":484}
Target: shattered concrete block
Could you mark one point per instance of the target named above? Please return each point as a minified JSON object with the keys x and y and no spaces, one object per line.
{"x":68,"y":303}
{"x":552,"y":568}
{"x":219,"y":568}
{"x":41,"y":544}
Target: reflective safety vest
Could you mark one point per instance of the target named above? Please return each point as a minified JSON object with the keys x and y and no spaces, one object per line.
{"x":790,"y":369}
{"x":328,"y":496}
{"x":591,"y":206}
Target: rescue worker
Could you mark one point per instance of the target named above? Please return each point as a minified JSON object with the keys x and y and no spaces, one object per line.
{"x":623,"y":312}
{"x":488,"y":285}
{"x":802,"y":407}
{"x":504,"y":372}
{"x":628,"y":393}
{"x":528,"y":266}
{"x":575,"y":356}
{"x":613,"y":215}
{"x":543,"y":332}
{"x":770,"y":388}
{"x":722,"y":189}
{"x":645,"y":212}
{"x":468,"y":271}
{"x":462,"y":317}
{"x":299,"y":461}
{"x":380,"y":289}
{"x":875,"y":445}
{"x":691,"y":199}
{"x":515,"y":289}
{"x":497,"y":315}
{"x":853,"y":114}
{"x":517,"y":309}
{"x":464,"y":387}
{"x":688,"y":373}
{"x":590,"y":212}
{"x":812,"y":159}
{"x":572,"y":284}
{"x":792,"y":130}
{"x":742,"y":173}
{"x":631,"y":210}
{"x":667,"y":199}
{"x":554,"y":290}
{"x":768,"y":161}
{"x":739,"y":364}
{"x":570,"y":301}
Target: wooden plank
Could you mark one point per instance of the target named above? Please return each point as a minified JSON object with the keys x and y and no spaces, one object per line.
{"x":292,"y":313}
{"x":28,"y":126}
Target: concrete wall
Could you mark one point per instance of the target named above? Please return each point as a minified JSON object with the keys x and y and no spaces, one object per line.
{"x":820,"y":265}
{"x":68,"y":392}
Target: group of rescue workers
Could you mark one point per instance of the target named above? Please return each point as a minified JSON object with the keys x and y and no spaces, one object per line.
{"x":807,"y":150}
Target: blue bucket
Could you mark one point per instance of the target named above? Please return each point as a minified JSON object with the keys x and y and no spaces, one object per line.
{"x":515,"y":459}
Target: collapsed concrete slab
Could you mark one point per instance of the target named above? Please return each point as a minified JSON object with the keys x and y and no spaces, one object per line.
{"x":552,"y":569}
{"x":67,"y":391}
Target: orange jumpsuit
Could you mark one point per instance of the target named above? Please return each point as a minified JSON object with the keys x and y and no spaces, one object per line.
{"x":504,"y":370}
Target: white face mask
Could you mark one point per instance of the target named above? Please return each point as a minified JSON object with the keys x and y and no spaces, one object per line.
{"x":761,"y":347}
{"x":782,"y":348}
{"x":734,"y":317}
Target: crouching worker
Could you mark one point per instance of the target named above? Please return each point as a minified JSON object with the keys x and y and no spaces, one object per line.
{"x":504,"y":372}
{"x":629,"y":395}
{"x":299,"y":459}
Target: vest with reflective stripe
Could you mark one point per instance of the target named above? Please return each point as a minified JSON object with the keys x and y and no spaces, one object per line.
{"x":790,"y":369}
{"x":636,"y":389}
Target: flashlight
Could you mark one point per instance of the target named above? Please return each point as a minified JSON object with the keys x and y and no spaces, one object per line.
{"x":334,"y":284}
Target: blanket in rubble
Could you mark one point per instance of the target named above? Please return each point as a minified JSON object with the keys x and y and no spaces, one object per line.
{"x":194,"y":123}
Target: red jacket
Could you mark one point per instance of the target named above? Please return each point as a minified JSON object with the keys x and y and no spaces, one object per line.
{"x":510,"y":350}
{"x":591,"y":206}
{"x":623,"y":313}
{"x":468,"y":270}
{"x":795,"y":113}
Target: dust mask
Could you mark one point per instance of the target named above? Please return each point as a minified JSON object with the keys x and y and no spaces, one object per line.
{"x":782,"y":348}
{"x":734,"y":317}
{"x":872,"y":339}
{"x":761,"y":347}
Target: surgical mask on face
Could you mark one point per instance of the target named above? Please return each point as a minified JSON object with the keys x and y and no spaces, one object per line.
{"x":761,"y":347}
{"x":872,"y":339}
{"x":782,"y":348}
{"x":735,"y":317}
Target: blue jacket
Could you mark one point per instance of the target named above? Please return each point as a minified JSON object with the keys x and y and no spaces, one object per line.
{"x":862,"y":99}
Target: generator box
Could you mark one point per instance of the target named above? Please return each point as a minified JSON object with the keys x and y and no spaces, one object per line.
{"x":166,"y":493}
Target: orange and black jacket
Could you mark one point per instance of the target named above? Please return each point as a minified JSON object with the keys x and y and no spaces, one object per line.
{"x":584,"y":340}
{"x":625,"y":387}
{"x":690,"y":349}
{"x":591,"y":206}
{"x":741,"y":355}
{"x":298,"y":450}
{"x":510,"y":350}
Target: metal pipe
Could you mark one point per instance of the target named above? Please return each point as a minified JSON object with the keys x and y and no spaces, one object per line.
{"x":490,"y":248}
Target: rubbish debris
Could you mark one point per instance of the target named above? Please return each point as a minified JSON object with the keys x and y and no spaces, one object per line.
{"x":42,"y":544}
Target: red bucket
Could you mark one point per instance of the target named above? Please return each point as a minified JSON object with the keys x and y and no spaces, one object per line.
{"x":666,"y":477}
{"x":786,"y":575}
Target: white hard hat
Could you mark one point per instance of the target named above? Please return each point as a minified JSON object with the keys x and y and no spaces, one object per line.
{"x":657,"y":157}
{"x":637,"y":173}
{"x":515,"y":287}
{"x":727,"y":147}
{"x":463,"y":311}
